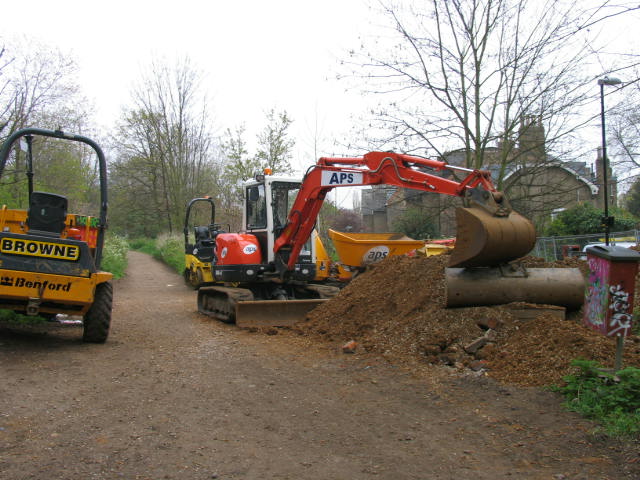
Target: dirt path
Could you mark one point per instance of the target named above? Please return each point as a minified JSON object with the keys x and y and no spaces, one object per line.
{"x":173,"y":395}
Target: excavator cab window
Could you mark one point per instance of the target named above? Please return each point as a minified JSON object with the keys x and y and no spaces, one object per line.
{"x":283,"y":194}
{"x":256,"y":207}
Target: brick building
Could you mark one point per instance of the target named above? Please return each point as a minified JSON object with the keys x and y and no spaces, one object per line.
{"x":537,"y":185}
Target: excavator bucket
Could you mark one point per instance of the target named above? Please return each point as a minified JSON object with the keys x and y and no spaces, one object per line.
{"x":485,"y":239}
{"x":274,"y":313}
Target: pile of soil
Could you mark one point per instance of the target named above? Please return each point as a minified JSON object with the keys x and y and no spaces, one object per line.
{"x":397,"y":309}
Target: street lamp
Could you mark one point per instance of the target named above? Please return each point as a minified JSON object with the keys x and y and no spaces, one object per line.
{"x":608,"y":221}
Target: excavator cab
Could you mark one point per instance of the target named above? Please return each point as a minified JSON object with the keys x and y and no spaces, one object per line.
{"x":268,"y":202}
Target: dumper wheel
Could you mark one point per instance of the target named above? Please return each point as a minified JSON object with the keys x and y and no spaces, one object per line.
{"x":98,"y":319}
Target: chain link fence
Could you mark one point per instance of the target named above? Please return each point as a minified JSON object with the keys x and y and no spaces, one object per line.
{"x":556,"y":248}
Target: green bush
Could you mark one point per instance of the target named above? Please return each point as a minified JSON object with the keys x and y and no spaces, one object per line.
{"x":114,"y":255}
{"x":611,"y":399}
{"x":414,"y":223}
{"x":145,"y":245}
{"x":171,"y":251}
{"x":9,"y":316}
{"x":585,"y":218}
{"x":166,"y":248}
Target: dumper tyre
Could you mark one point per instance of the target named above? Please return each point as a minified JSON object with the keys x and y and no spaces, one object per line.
{"x":98,"y":319}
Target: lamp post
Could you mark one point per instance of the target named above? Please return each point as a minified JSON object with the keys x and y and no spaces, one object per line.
{"x":608,"y":221}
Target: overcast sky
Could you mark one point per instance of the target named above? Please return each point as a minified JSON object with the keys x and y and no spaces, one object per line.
{"x":256,"y":55}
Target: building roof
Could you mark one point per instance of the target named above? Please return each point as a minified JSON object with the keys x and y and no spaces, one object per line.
{"x":573,"y":168}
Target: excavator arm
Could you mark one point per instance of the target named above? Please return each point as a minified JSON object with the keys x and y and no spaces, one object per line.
{"x":489,"y":231}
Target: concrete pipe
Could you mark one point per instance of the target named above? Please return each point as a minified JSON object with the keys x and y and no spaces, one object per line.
{"x":468,"y":287}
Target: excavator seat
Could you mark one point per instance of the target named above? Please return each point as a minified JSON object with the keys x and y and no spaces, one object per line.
{"x":205,"y":246}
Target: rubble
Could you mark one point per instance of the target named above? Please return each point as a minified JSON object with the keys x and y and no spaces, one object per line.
{"x":349,"y":347}
{"x":397,"y":309}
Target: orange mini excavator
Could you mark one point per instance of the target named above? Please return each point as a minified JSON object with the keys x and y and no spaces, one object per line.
{"x":265,"y":274}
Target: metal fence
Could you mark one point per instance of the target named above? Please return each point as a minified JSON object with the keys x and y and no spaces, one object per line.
{"x":555,"y":248}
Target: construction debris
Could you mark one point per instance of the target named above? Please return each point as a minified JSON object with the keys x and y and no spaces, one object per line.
{"x":397,"y":309}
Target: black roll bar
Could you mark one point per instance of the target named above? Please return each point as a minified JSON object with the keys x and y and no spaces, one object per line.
{"x":206,"y":199}
{"x":102,"y":165}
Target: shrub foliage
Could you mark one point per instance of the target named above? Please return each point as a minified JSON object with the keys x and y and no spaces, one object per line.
{"x":613,"y":399}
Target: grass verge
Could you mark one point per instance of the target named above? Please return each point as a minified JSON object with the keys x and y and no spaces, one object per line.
{"x":171,"y":250}
{"x":114,"y":255}
{"x":144,"y":245}
{"x":166,"y":248}
{"x":612,"y":399}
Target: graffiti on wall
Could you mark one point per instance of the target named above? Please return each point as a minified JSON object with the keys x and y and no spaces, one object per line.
{"x":608,"y":304}
{"x":621,"y":312}
{"x":595,"y":310}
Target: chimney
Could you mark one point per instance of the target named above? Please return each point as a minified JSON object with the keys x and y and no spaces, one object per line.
{"x":532,"y":138}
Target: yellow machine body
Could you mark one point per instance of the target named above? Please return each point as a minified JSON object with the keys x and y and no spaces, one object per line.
{"x":49,"y":258}
{"x":197,"y":272}
{"x":326,"y":268}
{"x":38,"y":292}
{"x":357,"y":250}
{"x":49,"y":294}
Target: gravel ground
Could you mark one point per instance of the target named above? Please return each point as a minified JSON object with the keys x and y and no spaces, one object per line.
{"x":176,"y":395}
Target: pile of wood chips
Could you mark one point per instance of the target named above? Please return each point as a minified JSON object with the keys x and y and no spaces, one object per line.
{"x":397,"y":309}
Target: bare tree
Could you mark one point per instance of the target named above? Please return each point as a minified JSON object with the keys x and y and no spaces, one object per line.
{"x":465,"y":73}
{"x":274,"y":149}
{"x":500,"y":82}
{"x":165,"y":142}
{"x":38,"y":87}
{"x":238,"y":167}
{"x":624,"y":133}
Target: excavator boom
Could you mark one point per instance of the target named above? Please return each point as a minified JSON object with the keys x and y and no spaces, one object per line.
{"x":489,"y":231}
